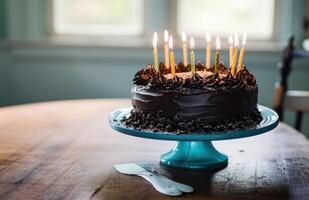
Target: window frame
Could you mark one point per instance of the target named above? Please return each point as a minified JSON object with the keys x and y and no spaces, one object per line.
{"x":283,"y":13}
{"x":138,"y":40}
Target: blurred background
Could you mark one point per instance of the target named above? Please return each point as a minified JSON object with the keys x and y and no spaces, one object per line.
{"x":75,"y":49}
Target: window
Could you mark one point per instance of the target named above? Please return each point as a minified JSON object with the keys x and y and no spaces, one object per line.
{"x":98,"y":17}
{"x":195,"y":17}
{"x":256,"y":17}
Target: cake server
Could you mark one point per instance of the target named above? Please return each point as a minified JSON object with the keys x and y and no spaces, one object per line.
{"x":159,"y":184}
{"x":182,"y":187}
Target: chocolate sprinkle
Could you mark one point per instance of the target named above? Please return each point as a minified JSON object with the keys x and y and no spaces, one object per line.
{"x":223,"y":82}
{"x":158,"y":122}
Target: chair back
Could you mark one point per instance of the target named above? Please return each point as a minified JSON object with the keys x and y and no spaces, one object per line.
{"x":281,"y":85}
{"x":297,"y":101}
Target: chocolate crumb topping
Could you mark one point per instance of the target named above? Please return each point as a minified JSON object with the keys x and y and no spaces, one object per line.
{"x":158,"y":122}
{"x":221,"y":80}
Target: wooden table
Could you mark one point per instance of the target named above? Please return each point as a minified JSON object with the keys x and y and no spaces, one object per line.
{"x":66,"y":150}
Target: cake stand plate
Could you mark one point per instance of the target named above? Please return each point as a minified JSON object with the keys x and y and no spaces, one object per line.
{"x":194,"y":151}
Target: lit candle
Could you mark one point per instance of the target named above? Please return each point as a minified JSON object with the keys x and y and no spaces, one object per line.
{"x":192,"y":56}
{"x":172,"y":57}
{"x":208,"y":51}
{"x":166,"y":54}
{"x":231,"y":49}
{"x":155,"y":51}
{"x":218,"y":46}
{"x":184,"y":48}
{"x":235,"y":55}
{"x":242,"y":53}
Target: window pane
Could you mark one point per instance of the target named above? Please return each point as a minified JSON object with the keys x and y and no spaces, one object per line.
{"x":98,"y":16}
{"x":256,"y":17}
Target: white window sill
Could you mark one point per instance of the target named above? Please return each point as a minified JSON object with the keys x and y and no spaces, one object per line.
{"x":131,"y":49}
{"x":133,"y":42}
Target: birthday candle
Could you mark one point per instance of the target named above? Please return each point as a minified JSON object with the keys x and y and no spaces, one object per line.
{"x":242,"y":53}
{"x":172,"y":57}
{"x":184,"y":48}
{"x":192,"y":56}
{"x":218,"y":46}
{"x":155,"y":51}
{"x":166,"y":54}
{"x":208,"y":51}
{"x":231,"y":49}
{"x":235,"y":55}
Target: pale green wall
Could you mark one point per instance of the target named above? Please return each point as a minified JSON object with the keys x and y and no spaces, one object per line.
{"x":2,"y":19}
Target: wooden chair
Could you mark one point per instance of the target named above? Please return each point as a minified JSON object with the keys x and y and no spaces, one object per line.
{"x":285,"y":99}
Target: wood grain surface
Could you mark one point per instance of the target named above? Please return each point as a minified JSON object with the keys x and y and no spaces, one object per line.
{"x":66,"y":150}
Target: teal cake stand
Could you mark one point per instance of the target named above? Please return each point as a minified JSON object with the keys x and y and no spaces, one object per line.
{"x":194,"y":151}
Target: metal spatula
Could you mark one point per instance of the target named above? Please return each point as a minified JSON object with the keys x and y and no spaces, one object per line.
{"x":159,"y":184}
{"x":182,"y":187}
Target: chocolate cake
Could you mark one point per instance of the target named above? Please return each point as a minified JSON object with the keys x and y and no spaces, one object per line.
{"x":207,"y":101}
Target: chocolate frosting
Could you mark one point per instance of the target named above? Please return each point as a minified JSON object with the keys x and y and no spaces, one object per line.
{"x":217,"y":96}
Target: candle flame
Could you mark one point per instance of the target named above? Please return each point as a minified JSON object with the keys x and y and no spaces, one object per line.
{"x":244,"y":39}
{"x":218,"y":43}
{"x":230,"y":40}
{"x":170,"y":43}
{"x":208,"y":38}
{"x":155,"y":40}
{"x":183,"y":36}
{"x":235,"y":40}
{"x":165,"y":36}
{"x":192,"y":43}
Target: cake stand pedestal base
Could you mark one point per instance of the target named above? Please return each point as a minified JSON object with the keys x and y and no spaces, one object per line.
{"x":196,"y":155}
